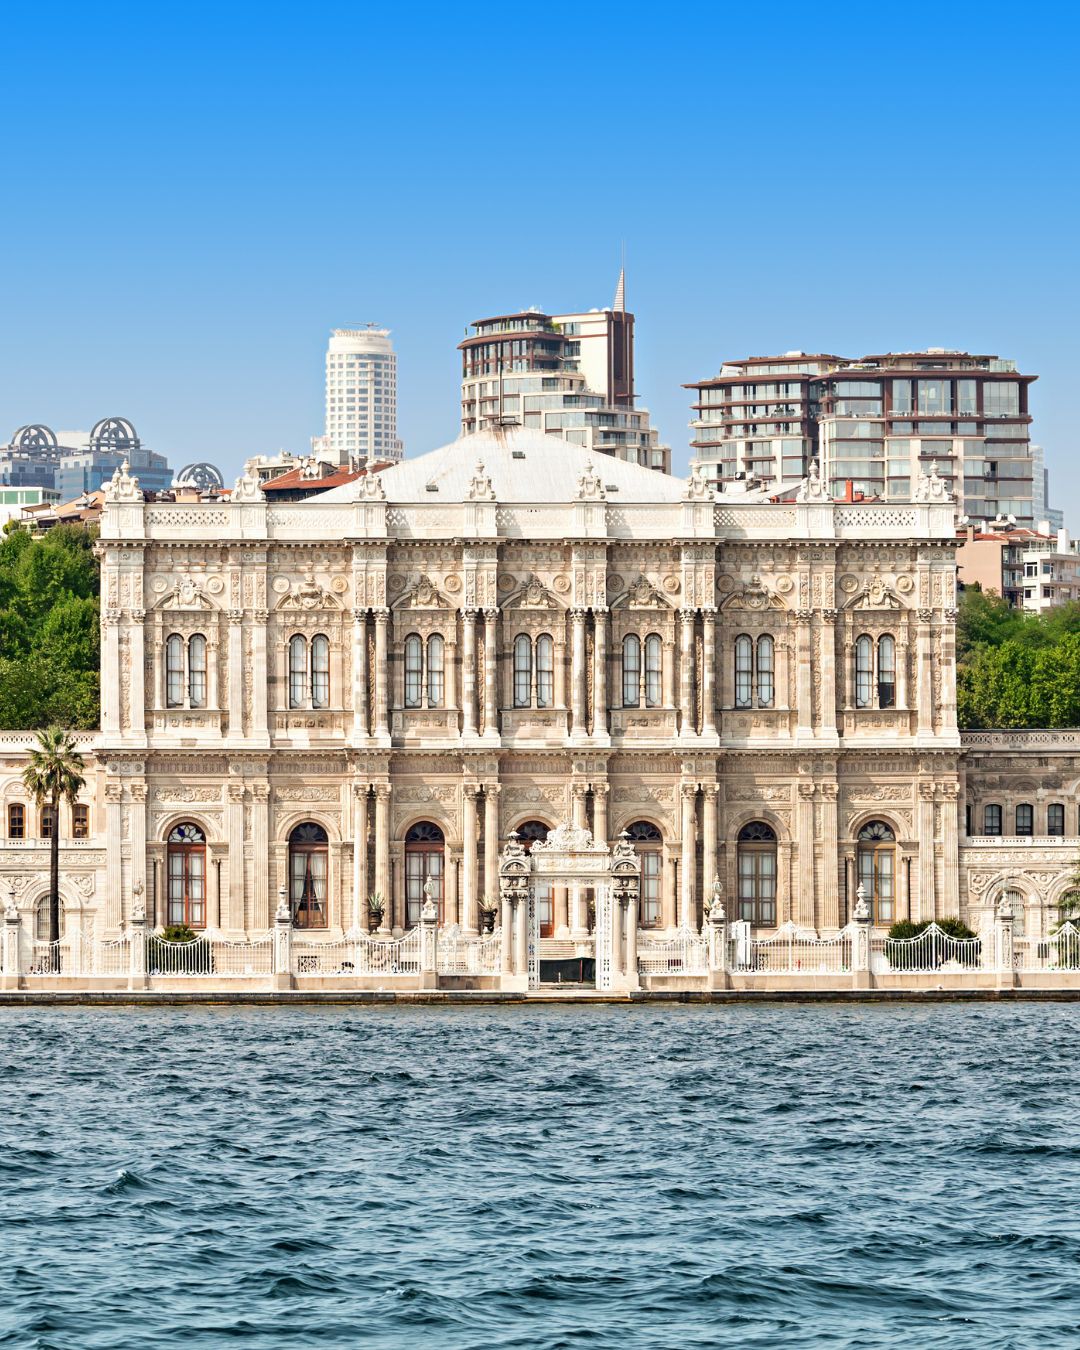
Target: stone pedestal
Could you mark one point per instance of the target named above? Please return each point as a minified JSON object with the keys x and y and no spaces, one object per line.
{"x":283,"y":931}
{"x":861,"y":977}
{"x":1003,"y":941}
{"x":11,"y":975}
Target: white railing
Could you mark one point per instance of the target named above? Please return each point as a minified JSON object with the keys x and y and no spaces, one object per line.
{"x":195,"y":957}
{"x":459,"y":954}
{"x":686,"y":953}
{"x":73,"y":954}
{"x":113,"y":958}
{"x":932,"y":952}
{"x":1060,"y":951}
{"x":357,"y":954}
{"x":244,"y":958}
{"x":792,"y":951}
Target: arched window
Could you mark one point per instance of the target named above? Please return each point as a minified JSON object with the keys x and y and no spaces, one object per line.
{"x":298,"y":671}
{"x":186,"y":871}
{"x":436,"y":678}
{"x":522,"y":671}
{"x":765,"y":680}
{"x":197,"y":671}
{"x":174,"y":671}
{"x":414,"y":670}
{"x":864,"y":672}
{"x":654,"y":694}
{"x":48,"y":822}
{"x":649,"y":843}
{"x":41,"y":918}
{"x":992,"y":818}
{"x":1025,"y":819}
{"x":424,"y":855}
{"x":631,"y":670}
{"x":886,"y":672}
{"x":1016,"y":900}
{"x":532,"y":832}
{"x":320,"y":671}
{"x":1055,"y":819}
{"x":545,"y":671}
{"x":757,"y":873}
{"x":876,"y":859}
{"x":744,"y":671}
{"x":16,"y":820}
{"x":309,"y":855}
{"x":80,"y":821}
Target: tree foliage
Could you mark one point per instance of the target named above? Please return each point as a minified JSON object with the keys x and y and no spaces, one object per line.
{"x":1016,"y":669}
{"x":49,"y":630}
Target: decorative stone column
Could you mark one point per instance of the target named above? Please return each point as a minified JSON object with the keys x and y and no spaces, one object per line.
{"x":429,"y":939}
{"x":803,"y":908}
{"x":710,"y":860}
{"x":236,"y":674}
{"x":579,"y":927}
{"x":1003,"y":934}
{"x":10,"y":967}
{"x":283,"y":932}
{"x":830,"y":862}
{"x":110,"y":671}
{"x":137,"y":943}
{"x":950,"y":847}
{"x":687,"y":915}
{"x":718,"y":972}
{"x":708,"y":682}
{"x":925,"y":838}
{"x":233,"y":911}
{"x":491,"y":674}
{"x":924,"y":680}
{"x":469,"y":907}
{"x":521,"y":938}
{"x":137,"y":666}
{"x":382,"y":854}
{"x":260,"y":851}
{"x":860,"y":941}
{"x":686,"y":672}
{"x":600,"y":812}
{"x":804,"y":702}
{"x":468,"y":672}
{"x":491,"y":841}
{"x":382,"y":725}
{"x":260,"y":674}
{"x":577,"y":675}
{"x":360,"y":863}
{"x":827,"y":647}
{"x":600,"y":674}
{"x":359,"y":675}
{"x":114,"y":827}
{"x":631,"y":940}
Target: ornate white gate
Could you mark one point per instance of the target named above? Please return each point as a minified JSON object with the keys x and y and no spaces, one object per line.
{"x":534,"y":940}
{"x":604,"y":917}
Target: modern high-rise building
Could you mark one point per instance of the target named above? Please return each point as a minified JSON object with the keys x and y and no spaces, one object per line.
{"x":571,"y":375}
{"x":878,"y":423}
{"x":112,"y":442}
{"x":361,"y":397}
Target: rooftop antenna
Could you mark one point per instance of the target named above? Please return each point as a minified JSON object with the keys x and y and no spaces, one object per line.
{"x":620,"y":290}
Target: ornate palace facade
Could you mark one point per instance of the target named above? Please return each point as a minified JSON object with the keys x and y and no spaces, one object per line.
{"x":367,"y":691}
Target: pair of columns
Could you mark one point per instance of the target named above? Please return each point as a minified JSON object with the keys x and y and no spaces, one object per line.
{"x":470,"y":696}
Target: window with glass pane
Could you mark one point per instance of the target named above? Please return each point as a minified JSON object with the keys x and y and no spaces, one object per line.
{"x":197,"y":671}
{"x":967,"y":398}
{"x":545,"y":671}
{"x":436,"y":678}
{"x":308,"y":869}
{"x":901,"y":397}
{"x":886,"y":680}
{"x":414,"y":670}
{"x":186,"y":876}
{"x":1055,"y":819}
{"x":41,"y":919}
{"x":320,"y":671}
{"x":935,"y":396}
{"x":16,"y":821}
{"x":80,"y":821}
{"x":757,"y":874}
{"x":765,"y":681}
{"x":653,"y":671}
{"x":631,"y":670}
{"x":522,"y":671}
{"x":864,"y":671}
{"x":991,"y":819}
{"x":1025,"y":818}
{"x":744,"y":670}
{"x":298,"y":671}
{"x":649,"y":844}
{"x":48,"y":821}
{"x":174,"y":671}
{"x":1001,"y":398}
{"x":424,"y":853}
{"x":876,"y":864}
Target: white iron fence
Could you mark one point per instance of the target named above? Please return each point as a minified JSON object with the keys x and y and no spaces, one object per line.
{"x":1060,"y":951}
{"x":459,"y":954}
{"x":357,"y":954}
{"x":208,"y":955}
{"x":687,"y":953}
{"x":790,"y":951}
{"x":932,"y":952}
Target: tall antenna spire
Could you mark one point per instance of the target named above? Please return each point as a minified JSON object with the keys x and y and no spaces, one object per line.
{"x":620,"y":292}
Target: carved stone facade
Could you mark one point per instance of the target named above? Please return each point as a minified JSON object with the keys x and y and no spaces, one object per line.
{"x":763,"y":693}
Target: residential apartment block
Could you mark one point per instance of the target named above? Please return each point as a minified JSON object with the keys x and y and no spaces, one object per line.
{"x":361,"y":397}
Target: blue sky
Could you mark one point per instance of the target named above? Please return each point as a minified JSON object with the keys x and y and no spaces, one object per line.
{"x":195,"y":196}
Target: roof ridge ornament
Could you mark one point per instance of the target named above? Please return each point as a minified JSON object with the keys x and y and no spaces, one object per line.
{"x":122,"y":486}
{"x":697,"y":485}
{"x":590,"y":487}
{"x":480,"y":488}
{"x":371,"y":487}
{"x":813,"y":488}
{"x":932,"y":488}
{"x":248,"y":487}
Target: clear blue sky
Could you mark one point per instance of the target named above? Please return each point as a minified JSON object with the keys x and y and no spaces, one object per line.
{"x":194,"y":196}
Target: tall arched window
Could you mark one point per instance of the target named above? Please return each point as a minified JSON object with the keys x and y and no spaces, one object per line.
{"x":532,"y":832}
{"x":186,"y":872}
{"x":757,"y":873}
{"x":886,"y":672}
{"x":765,"y":671}
{"x":197,"y":671}
{"x":16,"y":820}
{"x":876,"y":861}
{"x":522,"y":671}
{"x":545,"y":671}
{"x":436,"y":677}
{"x":414,"y":670}
{"x":631,"y":670}
{"x":1025,"y":819}
{"x":298,"y":671}
{"x":654,"y":694}
{"x":174,"y":671}
{"x":864,"y":671}
{"x":992,"y":818}
{"x":424,"y":855}
{"x":649,"y":843}
{"x":320,"y":671}
{"x":1055,"y":819}
{"x":744,"y":671}
{"x":309,"y":856}
{"x":41,"y":918}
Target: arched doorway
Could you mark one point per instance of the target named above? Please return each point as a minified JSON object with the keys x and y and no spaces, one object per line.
{"x":876,"y":860}
{"x":649,"y":843}
{"x":186,"y":869}
{"x":532,"y":832}
{"x":309,"y":858}
{"x":425,"y":854}
{"x":756,"y":849}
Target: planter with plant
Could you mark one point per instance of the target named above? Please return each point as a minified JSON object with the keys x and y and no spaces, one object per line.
{"x":376,"y":908}
{"x":488,"y":914}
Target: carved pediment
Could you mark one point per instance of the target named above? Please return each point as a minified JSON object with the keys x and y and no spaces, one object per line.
{"x":754,"y":595}
{"x":875,"y":595}
{"x":424,"y":595}
{"x":307,"y":594}
{"x":533,"y":595}
{"x":642,"y":594}
{"x":186,"y":594}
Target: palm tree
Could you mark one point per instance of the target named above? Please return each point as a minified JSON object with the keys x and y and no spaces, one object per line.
{"x":54,"y":772}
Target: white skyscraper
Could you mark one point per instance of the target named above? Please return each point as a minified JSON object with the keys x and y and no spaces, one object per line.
{"x":361,"y":397}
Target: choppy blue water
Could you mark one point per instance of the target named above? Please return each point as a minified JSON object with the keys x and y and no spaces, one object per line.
{"x":540,"y":1177}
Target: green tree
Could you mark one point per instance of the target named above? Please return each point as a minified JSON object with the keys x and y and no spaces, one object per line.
{"x":54,"y":774}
